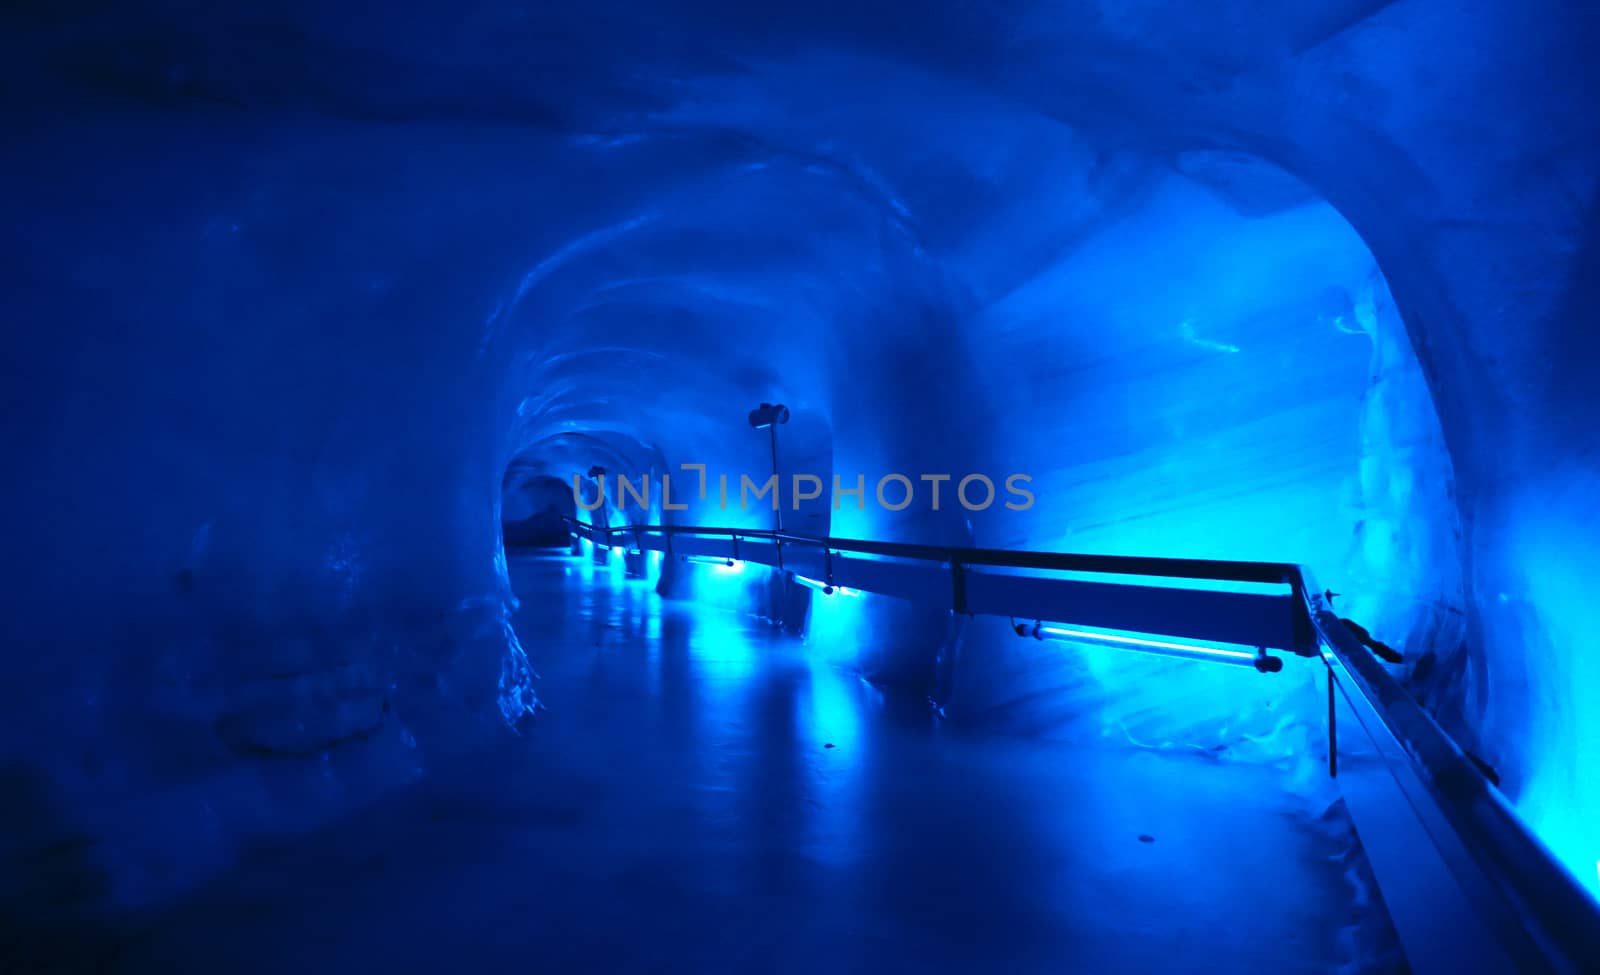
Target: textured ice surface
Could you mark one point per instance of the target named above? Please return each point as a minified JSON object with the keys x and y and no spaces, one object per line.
{"x":290,"y":291}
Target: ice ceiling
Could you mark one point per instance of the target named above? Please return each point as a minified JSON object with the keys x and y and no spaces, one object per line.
{"x":290,"y":290}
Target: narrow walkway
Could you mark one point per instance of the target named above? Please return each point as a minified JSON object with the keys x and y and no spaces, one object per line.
{"x":703,"y":797}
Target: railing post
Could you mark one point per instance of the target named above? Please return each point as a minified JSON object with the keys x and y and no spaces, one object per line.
{"x":958,"y":586}
{"x":1333,"y":726}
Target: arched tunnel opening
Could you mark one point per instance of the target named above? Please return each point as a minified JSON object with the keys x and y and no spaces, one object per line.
{"x":534,"y":511}
{"x":699,"y":488}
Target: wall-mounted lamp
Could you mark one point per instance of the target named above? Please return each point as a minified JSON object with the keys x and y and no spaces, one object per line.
{"x":709,"y":560}
{"x":825,"y":588}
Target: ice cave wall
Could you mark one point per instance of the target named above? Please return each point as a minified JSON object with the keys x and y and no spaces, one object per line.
{"x":291,"y":294}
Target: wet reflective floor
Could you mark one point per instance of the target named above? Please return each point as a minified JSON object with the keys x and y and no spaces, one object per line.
{"x":703,"y":795}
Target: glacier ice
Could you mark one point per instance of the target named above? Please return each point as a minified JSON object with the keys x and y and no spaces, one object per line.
{"x":293,"y":296}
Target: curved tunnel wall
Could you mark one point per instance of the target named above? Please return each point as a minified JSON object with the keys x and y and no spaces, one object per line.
{"x":373,"y":302}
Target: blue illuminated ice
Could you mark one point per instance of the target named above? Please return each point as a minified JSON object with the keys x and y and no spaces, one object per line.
{"x":297,"y":301}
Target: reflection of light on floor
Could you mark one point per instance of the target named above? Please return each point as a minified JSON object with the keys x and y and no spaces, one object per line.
{"x":837,"y":626}
{"x":834,"y":703}
{"x":830,"y":723}
{"x":739,"y":665}
{"x":713,"y":583}
{"x":720,"y":644}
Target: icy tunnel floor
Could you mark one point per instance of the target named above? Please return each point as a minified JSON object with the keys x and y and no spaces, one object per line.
{"x":678,"y":808}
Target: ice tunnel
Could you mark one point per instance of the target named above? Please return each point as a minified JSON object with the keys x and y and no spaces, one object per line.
{"x":1099,"y":486}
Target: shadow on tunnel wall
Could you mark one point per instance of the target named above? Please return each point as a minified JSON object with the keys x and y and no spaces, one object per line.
{"x":53,"y":893}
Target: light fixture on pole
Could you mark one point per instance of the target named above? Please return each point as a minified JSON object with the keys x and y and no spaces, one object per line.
{"x":600,"y":519}
{"x":769,"y":415}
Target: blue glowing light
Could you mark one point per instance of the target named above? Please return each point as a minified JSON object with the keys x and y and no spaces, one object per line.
{"x":1146,"y":644}
{"x":824,"y":588}
{"x":722,"y":566}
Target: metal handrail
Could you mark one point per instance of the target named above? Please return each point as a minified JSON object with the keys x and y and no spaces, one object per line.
{"x":1212,"y":570}
{"x":1537,"y":914}
{"x":1544,"y":907}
